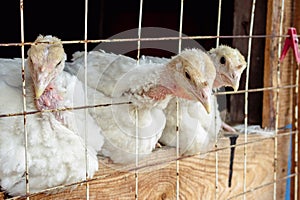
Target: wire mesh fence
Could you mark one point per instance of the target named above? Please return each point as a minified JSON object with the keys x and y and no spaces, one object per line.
{"x":175,"y":173}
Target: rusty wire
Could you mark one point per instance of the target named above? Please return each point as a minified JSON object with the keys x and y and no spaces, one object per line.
{"x":179,"y":38}
{"x":150,"y":39}
{"x":134,"y":168}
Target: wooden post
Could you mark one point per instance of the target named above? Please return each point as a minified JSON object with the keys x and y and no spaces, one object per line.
{"x":271,"y":64}
{"x":271,"y":61}
{"x":286,"y":96}
{"x":296,"y":23}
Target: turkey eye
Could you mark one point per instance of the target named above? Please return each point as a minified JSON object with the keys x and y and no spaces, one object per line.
{"x":222,"y":60}
{"x":187,"y":75}
{"x":58,"y":64}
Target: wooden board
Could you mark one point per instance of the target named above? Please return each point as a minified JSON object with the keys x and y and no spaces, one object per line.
{"x":297,"y":26}
{"x":241,"y":26}
{"x":270,"y":68}
{"x":286,"y":97}
{"x":197,"y":176}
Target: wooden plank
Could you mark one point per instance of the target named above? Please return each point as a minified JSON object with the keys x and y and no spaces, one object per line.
{"x":287,"y":77}
{"x":197,"y":176}
{"x":241,"y":26}
{"x":271,"y":60}
{"x":271,"y":64}
{"x":295,"y":188}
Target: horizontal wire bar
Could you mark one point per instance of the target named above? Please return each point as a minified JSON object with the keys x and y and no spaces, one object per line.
{"x":151,"y":39}
{"x":121,"y":103}
{"x":264,"y":185}
{"x":62,"y":109}
{"x":257,"y":89}
{"x":112,"y":104}
{"x":282,"y":134}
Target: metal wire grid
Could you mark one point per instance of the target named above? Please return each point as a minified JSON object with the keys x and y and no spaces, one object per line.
{"x":139,"y":39}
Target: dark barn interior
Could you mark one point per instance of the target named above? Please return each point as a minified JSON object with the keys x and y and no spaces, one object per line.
{"x":107,"y":18}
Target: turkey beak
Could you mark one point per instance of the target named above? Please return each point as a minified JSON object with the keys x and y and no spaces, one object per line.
{"x":235,"y":82}
{"x":39,"y":90}
{"x":41,"y":84}
{"x":204,"y":98}
{"x":232,"y":80}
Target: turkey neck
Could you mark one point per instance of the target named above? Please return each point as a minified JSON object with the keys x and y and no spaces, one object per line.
{"x":218,"y":83}
{"x":50,"y":99}
{"x":166,"y":84}
{"x":153,"y":81}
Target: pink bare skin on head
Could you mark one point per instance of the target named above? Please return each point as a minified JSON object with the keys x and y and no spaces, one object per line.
{"x":188,"y":75}
{"x":49,"y":99}
{"x":158,"y":93}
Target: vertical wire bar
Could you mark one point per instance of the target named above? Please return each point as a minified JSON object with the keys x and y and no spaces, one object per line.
{"x":139,"y":32}
{"x":219,"y":22}
{"x":136,"y":173}
{"x":177,"y":147}
{"x":180,"y":26}
{"x":178,"y":107}
{"x":24,"y":99}
{"x":87,"y":186}
{"x":297,"y":132}
{"x":296,"y":23}
{"x":246,"y":98}
{"x":216,"y":145}
{"x":216,"y":154}
{"x":277,"y":105}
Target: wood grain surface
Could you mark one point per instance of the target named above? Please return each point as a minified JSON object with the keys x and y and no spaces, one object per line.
{"x":198,"y":177}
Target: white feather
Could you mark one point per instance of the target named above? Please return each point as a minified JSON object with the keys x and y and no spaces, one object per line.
{"x":117,"y":78}
{"x":198,"y":130}
{"x":56,"y":151}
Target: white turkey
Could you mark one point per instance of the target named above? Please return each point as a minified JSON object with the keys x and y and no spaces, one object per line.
{"x":230,"y":64}
{"x":56,"y":151}
{"x":199,"y":130}
{"x":132,"y":130}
